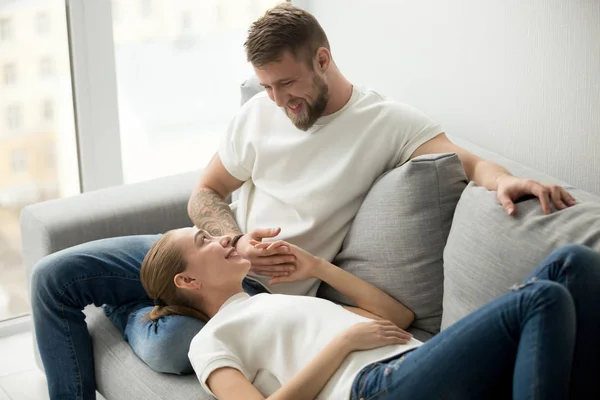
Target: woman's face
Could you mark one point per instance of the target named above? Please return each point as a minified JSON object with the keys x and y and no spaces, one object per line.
{"x":211,"y":261}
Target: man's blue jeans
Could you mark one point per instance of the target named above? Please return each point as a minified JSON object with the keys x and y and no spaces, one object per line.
{"x":541,"y":340}
{"x":104,"y":272}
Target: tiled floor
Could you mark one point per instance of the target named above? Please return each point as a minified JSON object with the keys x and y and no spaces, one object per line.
{"x":20,"y":378}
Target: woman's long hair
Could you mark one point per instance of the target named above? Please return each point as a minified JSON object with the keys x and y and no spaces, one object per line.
{"x":161,"y":264}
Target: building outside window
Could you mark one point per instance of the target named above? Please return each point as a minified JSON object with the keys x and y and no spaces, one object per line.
{"x":48,"y":110}
{"x":18,"y":161}
{"x":46,"y":67}
{"x":10,"y":73}
{"x":42,"y":23}
{"x":13,"y":117}
{"x":146,"y":8}
{"x":5,"y":29}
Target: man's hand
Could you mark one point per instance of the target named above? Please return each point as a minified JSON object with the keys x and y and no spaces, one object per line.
{"x":305,"y":263}
{"x":277,"y":261}
{"x":511,"y":188}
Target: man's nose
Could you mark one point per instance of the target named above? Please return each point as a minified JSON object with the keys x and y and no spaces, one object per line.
{"x":279,"y":97}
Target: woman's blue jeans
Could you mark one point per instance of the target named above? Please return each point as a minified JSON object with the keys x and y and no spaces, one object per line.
{"x":104,"y":272}
{"x":541,"y":340}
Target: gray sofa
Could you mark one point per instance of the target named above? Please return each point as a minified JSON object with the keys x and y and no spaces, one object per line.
{"x":484,"y":253}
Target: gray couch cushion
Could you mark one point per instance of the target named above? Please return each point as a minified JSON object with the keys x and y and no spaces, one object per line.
{"x":488,"y":251}
{"x":120,"y":374}
{"x":249,"y":88}
{"x":397,"y":239}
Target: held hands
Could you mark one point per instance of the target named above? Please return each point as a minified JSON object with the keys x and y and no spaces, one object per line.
{"x":305,"y":263}
{"x":275,"y":262}
{"x":373,"y":334}
{"x":511,"y":188}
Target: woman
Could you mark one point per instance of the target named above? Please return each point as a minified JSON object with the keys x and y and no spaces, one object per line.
{"x":538,"y":341}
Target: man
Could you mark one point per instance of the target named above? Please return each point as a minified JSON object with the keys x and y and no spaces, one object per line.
{"x":304,"y":154}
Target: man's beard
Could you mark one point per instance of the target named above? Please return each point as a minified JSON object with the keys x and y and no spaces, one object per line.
{"x":311,"y":112}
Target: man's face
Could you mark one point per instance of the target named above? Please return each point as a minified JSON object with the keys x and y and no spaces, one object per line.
{"x":295,"y":87}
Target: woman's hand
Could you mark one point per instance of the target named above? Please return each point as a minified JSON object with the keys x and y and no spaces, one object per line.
{"x":272,"y":263}
{"x":373,"y":334}
{"x":305,"y":263}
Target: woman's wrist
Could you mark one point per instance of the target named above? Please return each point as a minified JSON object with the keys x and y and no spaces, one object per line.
{"x":343,"y":343}
{"x":320,"y":267}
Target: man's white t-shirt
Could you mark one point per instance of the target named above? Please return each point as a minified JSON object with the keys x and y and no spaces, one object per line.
{"x":311,"y":184}
{"x":270,"y":337}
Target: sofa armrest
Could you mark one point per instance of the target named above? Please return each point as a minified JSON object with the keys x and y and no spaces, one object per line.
{"x":141,"y":208}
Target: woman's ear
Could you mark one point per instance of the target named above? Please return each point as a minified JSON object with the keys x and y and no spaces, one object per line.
{"x":184,"y":281}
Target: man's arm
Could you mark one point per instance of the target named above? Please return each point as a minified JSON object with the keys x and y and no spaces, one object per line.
{"x":484,"y":173}
{"x":496,"y":178}
{"x":207,"y":207}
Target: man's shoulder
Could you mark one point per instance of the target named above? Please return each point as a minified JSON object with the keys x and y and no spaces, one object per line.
{"x":259,"y":102}
{"x":381,"y":104}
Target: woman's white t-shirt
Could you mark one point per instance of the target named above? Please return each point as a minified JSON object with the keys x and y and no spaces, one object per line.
{"x":311,"y":184}
{"x":269,"y":338}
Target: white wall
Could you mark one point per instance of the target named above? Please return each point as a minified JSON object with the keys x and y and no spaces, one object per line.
{"x":521,"y":78}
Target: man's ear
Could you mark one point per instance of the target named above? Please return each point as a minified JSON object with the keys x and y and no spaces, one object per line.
{"x":323,"y":59}
{"x":184,"y":281}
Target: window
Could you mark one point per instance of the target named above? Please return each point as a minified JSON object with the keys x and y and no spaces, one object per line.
{"x":10,"y":74}
{"x":13,"y":117}
{"x":5,"y":29}
{"x":186,"y":22}
{"x":146,"y":8}
{"x":42,"y":23}
{"x":48,"y":110}
{"x":50,"y":157}
{"x":173,"y":115}
{"x":46,"y":67}
{"x":29,"y":164}
{"x":18,"y":161}
{"x":114,"y":9}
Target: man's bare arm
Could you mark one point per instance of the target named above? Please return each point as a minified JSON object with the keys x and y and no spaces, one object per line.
{"x":210,"y":212}
{"x":207,"y":207}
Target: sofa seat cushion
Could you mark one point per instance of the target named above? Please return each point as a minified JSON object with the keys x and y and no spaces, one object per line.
{"x":120,"y":374}
{"x":488,"y":251}
{"x":397,"y":239}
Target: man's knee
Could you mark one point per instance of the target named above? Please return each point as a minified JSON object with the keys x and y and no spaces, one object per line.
{"x":48,"y":276}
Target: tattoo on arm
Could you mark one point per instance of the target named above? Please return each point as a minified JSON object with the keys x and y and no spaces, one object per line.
{"x":210,"y":212}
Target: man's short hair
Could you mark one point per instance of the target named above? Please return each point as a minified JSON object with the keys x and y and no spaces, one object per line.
{"x":284,"y":28}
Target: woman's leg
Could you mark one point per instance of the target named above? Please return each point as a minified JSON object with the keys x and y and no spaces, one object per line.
{"x":524,"y":338}
{"x":577,"y":268}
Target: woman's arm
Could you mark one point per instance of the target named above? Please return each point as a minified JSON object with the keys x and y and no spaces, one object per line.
{"x":363,"y":294}
{"x":230,"y":384}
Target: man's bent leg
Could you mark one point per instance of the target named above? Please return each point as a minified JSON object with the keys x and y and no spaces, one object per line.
{"x":100,"y":272}
{"x":164,"y":344}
